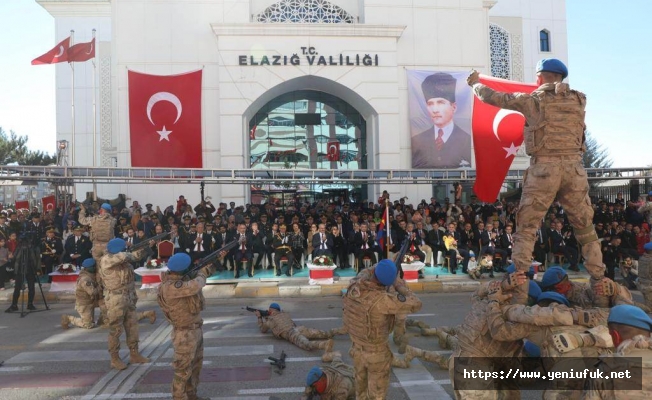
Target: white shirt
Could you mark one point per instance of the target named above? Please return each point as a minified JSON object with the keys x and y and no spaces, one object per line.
{"x":448,"y":131}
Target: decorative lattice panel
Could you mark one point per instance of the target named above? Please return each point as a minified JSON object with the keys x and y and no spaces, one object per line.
{"x":499,"y":45}
{"x":306,"y":12}
{"x":105,"y":112}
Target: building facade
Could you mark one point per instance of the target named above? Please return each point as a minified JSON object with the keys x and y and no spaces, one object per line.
{"x":282,"y":79}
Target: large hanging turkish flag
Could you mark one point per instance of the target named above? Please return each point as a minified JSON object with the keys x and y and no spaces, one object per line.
{"x":165,"y":120}
{"x":497,"y":136}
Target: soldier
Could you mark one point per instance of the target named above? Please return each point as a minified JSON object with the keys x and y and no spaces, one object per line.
{"x":554,"y":138}
{"x":282,"y":327}
{"x":78,"y":247}
{"x":181,"y":301}
{"x":646,"y":207}
{"x":630,"y":330}
{"x":87,"y":294}
{"x":369,"y":314}
{"x":51,"y":250}
{"x":645,"y":274}
{"x":120,"y":297}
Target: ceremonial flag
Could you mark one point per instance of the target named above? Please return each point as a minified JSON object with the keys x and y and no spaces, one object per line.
{"x":59,"y":53}
{"x":165,"y":120}
{"x":333,"y":152}
{"x":49,"y":203}
{"x":383,"y":229}
{"x":20,"y":205}
{"x":497,"y":136}
{"x":81,"y":52}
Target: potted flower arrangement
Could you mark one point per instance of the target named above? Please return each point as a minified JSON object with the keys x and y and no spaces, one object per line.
{"x":322,"y":261}
{"x":154,"y":263}
{"x":66,"y":269}
{"x":408,"y":259}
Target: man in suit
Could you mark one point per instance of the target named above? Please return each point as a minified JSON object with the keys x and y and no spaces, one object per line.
{"x":36,"y":228}
{"x":445,"y":145}
{"x":322,"y":242}
{"x":541,"y":246}
{"x":452,"y":252}
{"x":244,"y":249}
{"x":78,"y":247}
{"x":283,"y":248}
{"x":433,"y":239}
{"x":507,"y":241}
{"x":221,"y":238}
{"x":199,"y":244}
{"x":364,"y":243}
{"x":559,"y":246}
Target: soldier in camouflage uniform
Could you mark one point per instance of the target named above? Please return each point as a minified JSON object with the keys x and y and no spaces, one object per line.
{"x":87,"y":293}
{"x":181,"y":301}
{"x":645,"y":274}
{"x":630,"y":330}
{"x":646,"y":207}
{"x":369,"y":313}
{"x":102,"y":230}
{"x":554,"y":138}
{"x":120,"y":296}
{"x":282,"y":327}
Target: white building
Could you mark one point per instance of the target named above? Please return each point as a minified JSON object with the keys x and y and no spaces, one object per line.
{"x":504,"y":38}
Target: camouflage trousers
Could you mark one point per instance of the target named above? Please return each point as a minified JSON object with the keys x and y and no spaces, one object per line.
{"x":86,"y":312}
{"x":372,"y":371}
{"x":399,"y":328}
{"x":187,"y":363}
{"x":563,"y":178}
{"x":308,"y":338}
{"x":122,"y":315}
{"x":98,"y":250}
{"x":645,"y":278}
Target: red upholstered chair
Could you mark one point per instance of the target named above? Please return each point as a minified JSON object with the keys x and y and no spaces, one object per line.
{"x":165,"y":249}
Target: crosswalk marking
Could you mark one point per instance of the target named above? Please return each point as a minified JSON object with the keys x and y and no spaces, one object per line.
{"x":61,"y":356}
{"x":15,"y":369}
{"x":428,"y":387}
{"x":235,"y":333}
{"x":225,"y":351}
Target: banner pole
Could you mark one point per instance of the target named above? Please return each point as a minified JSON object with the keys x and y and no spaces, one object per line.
{"x":387,"y":231}
{"x":94,"y":117}
{"x":72,"y":108}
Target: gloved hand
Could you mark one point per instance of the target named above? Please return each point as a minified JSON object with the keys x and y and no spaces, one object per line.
{"x":568,"y":341}
{"x":207,"y":271}
{"x":513,"y":280}
{"x":606,"y":287}
{"x":499,"y":296}
{"x":586,"y":318}
{"x":473,"y":78}
{"x":601,"y":336}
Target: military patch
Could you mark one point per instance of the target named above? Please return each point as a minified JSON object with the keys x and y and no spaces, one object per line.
{"x":401,"y":298}
{"x":354,"y":292}
{"x":178,"y":284}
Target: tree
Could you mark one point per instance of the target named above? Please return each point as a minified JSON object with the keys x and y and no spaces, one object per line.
{"x":13,"y":149}
{"x":595,"y":155}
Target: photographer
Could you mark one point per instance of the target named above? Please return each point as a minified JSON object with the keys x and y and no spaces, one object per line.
{"x":26,"y":261}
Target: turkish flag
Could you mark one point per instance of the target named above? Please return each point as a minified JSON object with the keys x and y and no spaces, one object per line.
{"x":49,"y":203}
{"x":81,"y":52}
{"x":59,"y":53}
{"x":165,"y":120}
{"x":333,"y":151}
{"x":497,"y":136}
{"x":20,"y":205}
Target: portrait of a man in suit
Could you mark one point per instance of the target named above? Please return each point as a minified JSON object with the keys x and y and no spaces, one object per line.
{"x":444,"y":145}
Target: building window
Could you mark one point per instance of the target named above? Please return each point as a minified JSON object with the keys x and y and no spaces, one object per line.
{"x":544,"y":41}
{"x":305,"y":12}
{"x":501,"y":57}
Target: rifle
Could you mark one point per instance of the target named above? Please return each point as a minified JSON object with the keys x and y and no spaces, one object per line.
{"x":263,"y":313}
{"x":211,"y":258}
{"x":401,"y":253}
{"x":279,"y":363}
{"x":145,"y":242}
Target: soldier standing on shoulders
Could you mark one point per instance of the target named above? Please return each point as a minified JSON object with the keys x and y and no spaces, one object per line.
{"x":181,"y":301}
{"x":120,"y":296}
{"x":554,"y":138}
{"x":645,"y":274}
{"x":369,"y":314}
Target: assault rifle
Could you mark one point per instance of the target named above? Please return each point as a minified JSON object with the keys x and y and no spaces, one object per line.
{"x":145,"y":242}
{"x":279,"y":363}
{"x":211,"y":258}
{"x":401,"y":253}
{"x":263,"y":313}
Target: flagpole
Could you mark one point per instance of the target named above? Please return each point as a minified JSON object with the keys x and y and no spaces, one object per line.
{"x":94,"y":118}
{"x":387,"y":232}
{"x":72,"y":107}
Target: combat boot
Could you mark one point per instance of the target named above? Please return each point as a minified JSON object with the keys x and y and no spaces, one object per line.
{"x":135,"y":357}
{"x":65,"y":320}
{"x":326,"y":345}
{"x":151,"y":315}
{"x":429,"y":331}
{"x":337,"y":331}
{"x":116,"y":362}
{"x":412,"y":352}
{"x":417,"y":323}
{"x":402,"y":345}
{"x":330,"y":356}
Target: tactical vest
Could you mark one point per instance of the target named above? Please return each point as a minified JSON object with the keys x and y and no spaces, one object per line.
{"x":116,"y":272}
{"x":102,"y":229}
{"x":281,"y":323}
{"x":84,"y":281}
{"x":560,"y":129}
{"x":645,"y":268}
{"x":363,"y":326}
{"x":181,"y":312}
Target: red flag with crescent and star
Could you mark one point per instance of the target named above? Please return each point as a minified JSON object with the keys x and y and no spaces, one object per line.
{"x":165,"y":120}
{"x":59,"y":53}
{"x":49,"y":203}
{"x":497,"y":136}
{"x":22,"y":205}
{"x":81,"y":52}
{"x":333,"y":151}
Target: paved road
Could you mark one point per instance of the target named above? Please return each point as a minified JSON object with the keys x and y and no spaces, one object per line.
{"x":42,"y":361}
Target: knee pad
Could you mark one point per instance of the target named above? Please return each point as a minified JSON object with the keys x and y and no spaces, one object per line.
{"x":586,"y":235}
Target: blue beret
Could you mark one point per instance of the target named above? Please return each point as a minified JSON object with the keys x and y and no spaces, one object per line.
{"x":626,"y":314}
{"x":88,"y":263}
{"x":275,"y":306}
{"x":106,"y":206}
{"x":531,"y":349}
{"x":115,"y":246}
{"x":552,"y":65}
{"x":511,"y":269}
{"x":534,"y":290}
{"x":552,"y":276}
{"x":313,"y":376}
{"x":179,"y":262}
{"x":553,"y":296}
{"x":649,"y":193}
{"x":648,"y":246}
{"x":385,"y":272}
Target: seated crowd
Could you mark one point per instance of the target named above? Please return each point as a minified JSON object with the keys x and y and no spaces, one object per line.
{"x":478,"y":236}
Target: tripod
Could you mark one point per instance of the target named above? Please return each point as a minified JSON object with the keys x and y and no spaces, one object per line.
{"x":26,"y":261}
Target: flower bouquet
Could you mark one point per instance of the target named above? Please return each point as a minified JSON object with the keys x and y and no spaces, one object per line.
{"x":154,"y":263}
{"x":322,"y":261}
{"x":66,"y":269}
{"x":408,"y":259}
